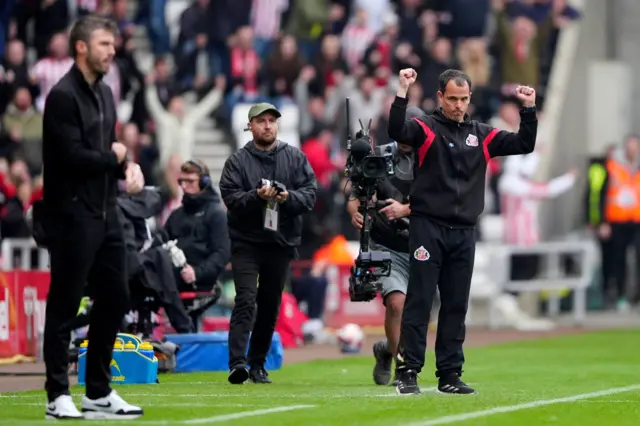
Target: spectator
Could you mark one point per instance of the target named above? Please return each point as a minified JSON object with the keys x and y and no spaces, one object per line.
{"x":176,"y":125}
{"x":266,"y":17}
{"x":356,"y":37}
{"x":24,"y":127}
{"x":48,"y":71}
{"x":14,"y":73}
{"x":282,"y":69}
{"x":191,"y":41}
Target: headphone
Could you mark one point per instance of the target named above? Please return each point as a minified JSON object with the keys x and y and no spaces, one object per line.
{"x":205,"y":178}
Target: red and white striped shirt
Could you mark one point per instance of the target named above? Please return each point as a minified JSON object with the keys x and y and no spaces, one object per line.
{"x":47,"y":72}
{"x":266,"y":16}
{"x":355,"y":40}
{"x":520,"y":199}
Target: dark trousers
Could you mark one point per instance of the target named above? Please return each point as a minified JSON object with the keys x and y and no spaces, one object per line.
{"x":84,"y":251}
{"x":624,"y":236}
{"x":440,"y":257}
{"x":259,"y":275}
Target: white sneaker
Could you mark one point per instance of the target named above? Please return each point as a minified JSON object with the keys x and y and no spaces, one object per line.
{"x":111,"y":407}
{"x":62,"y":408}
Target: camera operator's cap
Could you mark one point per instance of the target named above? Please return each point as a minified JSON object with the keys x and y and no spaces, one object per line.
{"x":261,"y":108}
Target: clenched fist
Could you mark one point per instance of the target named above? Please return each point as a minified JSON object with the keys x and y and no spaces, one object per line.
{"x":526,"y":95}
{"x":407,"y":77}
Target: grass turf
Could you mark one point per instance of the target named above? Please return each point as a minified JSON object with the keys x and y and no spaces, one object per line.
{"x":337,"y":392}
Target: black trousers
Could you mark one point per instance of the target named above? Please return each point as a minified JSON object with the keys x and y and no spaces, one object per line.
{"x":440,"y":257}
{"x":259,"y":274}
{"x":84,"y":251}
{"x":624,"y":236}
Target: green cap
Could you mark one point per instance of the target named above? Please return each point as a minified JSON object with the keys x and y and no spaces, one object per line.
{"x":261,"y":108}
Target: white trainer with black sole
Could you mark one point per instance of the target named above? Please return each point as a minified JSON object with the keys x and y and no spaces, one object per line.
{"x":111,"y":407}
{"x":62,"y":408}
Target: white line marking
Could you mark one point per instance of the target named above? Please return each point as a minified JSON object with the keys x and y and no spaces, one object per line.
{"x":234,"y":396}
{"x":245,"y":414}
{"x":510,"y":408}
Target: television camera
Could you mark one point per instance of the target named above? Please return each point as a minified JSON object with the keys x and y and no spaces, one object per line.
{"x":364,"y":168}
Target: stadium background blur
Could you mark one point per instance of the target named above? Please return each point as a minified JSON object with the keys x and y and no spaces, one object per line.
{"x":186,"y":72}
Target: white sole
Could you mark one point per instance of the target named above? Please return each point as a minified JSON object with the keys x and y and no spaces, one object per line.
{"x":405,"y":394}
{"x":101,"y":415}
{"x":52,"y":417}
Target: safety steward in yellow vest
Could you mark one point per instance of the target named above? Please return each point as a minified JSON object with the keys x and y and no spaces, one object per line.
{"x":622,"y":214}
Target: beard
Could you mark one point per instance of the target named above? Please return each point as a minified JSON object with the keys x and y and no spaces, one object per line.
{"x":96,"y":65}
{"x":265,"y":141}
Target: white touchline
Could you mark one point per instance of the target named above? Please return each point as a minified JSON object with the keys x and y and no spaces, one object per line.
{"x":244,"y":414}
{"x":510,"y":408}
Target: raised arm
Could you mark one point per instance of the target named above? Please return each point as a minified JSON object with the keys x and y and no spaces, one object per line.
{"x":500,"y":142}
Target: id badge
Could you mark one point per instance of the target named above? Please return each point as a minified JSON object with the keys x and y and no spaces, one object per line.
{"x":271,"y":217}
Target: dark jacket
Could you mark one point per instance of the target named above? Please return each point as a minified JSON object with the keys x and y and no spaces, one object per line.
{"x":200,"y":227}
{"x":80,"y":170}
{"x":452,"y":158}
{"x":383,"y":231}
{"x":238,"y":184}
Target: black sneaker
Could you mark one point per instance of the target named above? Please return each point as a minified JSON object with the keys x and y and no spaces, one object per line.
{"x":382,"y":369}
{"x":259,"y":375}
{"x":452,"y":384}
{"x":407,"y":382}
{"x":238,"y":375}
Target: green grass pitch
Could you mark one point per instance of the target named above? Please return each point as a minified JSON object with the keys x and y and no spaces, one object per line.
{"x":580,"y":380}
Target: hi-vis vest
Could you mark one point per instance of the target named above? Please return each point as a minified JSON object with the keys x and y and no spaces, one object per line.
{"x":623,"y":194}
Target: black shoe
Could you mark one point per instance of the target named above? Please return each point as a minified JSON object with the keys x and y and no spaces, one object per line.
{"x":407,"y":382}
{"x":453,"y":384}
{"x":259,"y":375}
{"x":382,"y":369}
{"x":238,"y":375}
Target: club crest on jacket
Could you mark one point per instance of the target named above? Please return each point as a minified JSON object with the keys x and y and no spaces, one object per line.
{"x":421,"y":254}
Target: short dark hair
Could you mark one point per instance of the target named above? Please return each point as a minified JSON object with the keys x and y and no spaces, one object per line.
{"x":85,"y":26}
{"x":194,"y":166}
{"x":458,"y":77}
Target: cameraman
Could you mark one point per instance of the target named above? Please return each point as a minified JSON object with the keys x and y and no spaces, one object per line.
{"x":267,"y":186}
{"x":386,"y":236}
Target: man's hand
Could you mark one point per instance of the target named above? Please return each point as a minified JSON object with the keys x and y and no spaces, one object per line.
{"x":395,"y":210}
{"x":120,"y":150}
{"x":188,"y":274}
{"x":357,"y":220}
{"x":407,"y":77}
{"x":282,"y":197}
{"x":266,"y":193}
{"x":526,"y":95}
{"x":134,"y":178}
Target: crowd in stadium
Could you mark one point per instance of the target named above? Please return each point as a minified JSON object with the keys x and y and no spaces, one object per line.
{"x":309,"y":53}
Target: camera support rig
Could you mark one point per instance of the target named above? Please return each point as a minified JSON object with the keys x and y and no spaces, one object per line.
{"x":370,"y":266}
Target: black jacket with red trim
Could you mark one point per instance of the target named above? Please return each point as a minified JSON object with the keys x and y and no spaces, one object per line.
{"x":451,"y":160}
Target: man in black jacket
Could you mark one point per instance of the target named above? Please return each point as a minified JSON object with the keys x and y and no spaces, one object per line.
{"x":265,"y":225}
{"x":446,"y":199}
{"x":82,"y":166}
{"x":200,"y":228}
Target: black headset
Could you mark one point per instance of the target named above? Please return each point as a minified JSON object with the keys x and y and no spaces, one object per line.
{"x":205,"y":178}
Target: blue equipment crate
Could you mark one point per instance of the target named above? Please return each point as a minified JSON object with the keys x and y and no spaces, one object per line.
{"x":210,"y":352}
{"x":130,"y":364}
